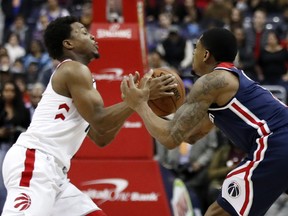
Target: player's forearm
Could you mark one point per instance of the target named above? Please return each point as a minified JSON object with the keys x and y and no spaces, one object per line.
{"x":103,"y":139}
{"x":158,"y":128}
{"x":111,"y":118}
{"x":109,"y":123}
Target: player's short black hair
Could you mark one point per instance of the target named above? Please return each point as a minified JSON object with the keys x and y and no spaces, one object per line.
{"x":57,"y":31}
{"x":221,"y":43}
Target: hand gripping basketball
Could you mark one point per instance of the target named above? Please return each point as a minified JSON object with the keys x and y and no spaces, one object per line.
{"x":167,"y":105}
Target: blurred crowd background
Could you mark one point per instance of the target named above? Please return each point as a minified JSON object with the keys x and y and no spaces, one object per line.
{"x":172,"y":28}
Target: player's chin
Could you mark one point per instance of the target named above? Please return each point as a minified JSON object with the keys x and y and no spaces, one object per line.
{"x":194,"y":70}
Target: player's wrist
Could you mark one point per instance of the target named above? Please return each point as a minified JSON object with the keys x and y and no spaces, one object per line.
{"x":142,"y":107}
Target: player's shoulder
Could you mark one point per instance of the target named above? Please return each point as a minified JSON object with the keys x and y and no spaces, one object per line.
{"x":73,"y":70}
{"x":215,"y":84}
{"x":72,"y":67}
{"x":70,"y":74}
{"x":215,"y":78}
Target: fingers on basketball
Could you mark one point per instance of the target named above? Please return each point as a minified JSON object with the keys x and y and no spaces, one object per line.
{"x":169,"y":104}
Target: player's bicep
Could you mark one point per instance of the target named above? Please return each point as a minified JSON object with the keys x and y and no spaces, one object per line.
{"x":207,"y":88}
{"x":86,"y":98}
{"x":189,"y":117}
{"x":88,"y":104}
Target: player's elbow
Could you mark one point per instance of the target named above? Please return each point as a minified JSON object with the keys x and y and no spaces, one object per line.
{"x":170,"y":147}
{"x":170,"y":144}
{"x":103,"y":141}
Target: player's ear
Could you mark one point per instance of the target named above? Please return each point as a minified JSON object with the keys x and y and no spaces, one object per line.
{"x":207,"y":54}
{"x":67,"y":44}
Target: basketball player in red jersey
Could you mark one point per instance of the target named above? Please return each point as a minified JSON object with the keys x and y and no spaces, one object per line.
{"x":35,"y":169}
{"x":247,"y":113}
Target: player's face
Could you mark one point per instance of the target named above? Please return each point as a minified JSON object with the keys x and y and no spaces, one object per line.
{"x":198,"y":58}
{"x":84,"y":43}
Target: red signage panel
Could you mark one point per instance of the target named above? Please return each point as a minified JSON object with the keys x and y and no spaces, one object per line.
{"x":119,"y":187}
{"x":133,"y":141}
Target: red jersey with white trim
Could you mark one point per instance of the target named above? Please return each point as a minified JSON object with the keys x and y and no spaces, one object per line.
{"x":252,"y":113}
{"x":57,"y":128}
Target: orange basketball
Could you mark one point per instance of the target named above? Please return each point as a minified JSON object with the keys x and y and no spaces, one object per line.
{"x":167,"y":105}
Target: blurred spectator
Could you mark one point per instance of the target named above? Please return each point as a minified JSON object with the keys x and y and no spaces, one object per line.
{"x":3,"y":50}
{"x":17,"y":67}
{"x":40,"y":27}
{"x":20,"y":80}
{"x":269,"y":6}
{"x":36,"y":53}
{"x":256,"y":36}
{"x":245,"y":56}
{"x":190,"y":162}
{"x":157,"y":32}
{"x":5,"y":74}
{"x":46,"y":72}
{"x":155,"y":60}
{"x":14,"y":119}
{"x":176,"y":50}
{"x":242,"y":6}
{"x":86,"y":16}
{"x":284,"y":42}
{"x":151,"y":10}
{"x":75,"y":6}
{"x":226,"y":158}
{"x":282,"y":4}
{"x":191,"y":27}
{"x":282,"y":27}
{"x":235,"y":20}
{"x":115,"y":11}
{"x":14,"y":49}
{"x":33,"y":17}
{"x":5,"y":63}
{"x":255,"y":5}
{"x":187,"y":5}
{"x":256,"y":32}
{"x":174,"y":9}
{"x":19,"y":28}
{"x":217,"y":13}
{"x":273,"y":61}
{"x":35,"y":95}
{"x":202,"y":4}
{"x":13,"y":8}
{"x":52,"y":10}
{"x":32,"y":73}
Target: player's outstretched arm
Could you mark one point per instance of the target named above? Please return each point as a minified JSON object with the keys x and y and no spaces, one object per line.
{"x":190,"y":121}
{"x":105,"y":122}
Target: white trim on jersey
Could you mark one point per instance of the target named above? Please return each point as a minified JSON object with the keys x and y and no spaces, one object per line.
{"x":246,"y":115}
